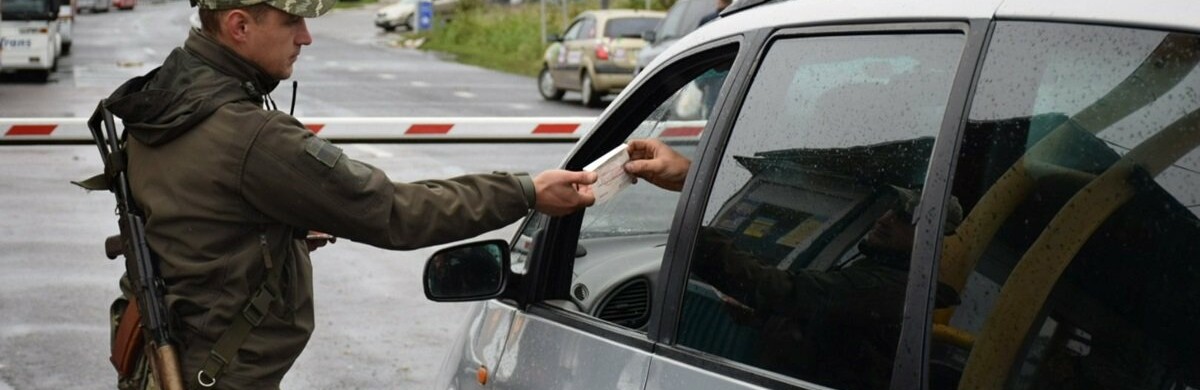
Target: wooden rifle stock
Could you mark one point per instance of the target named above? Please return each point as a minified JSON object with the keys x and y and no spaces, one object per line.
{"x":166,"y":363}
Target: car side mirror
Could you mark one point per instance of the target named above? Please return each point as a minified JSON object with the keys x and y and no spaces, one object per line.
{"x":649,"y":35}
{"x":551,"y":38}
{"x":470,"y":272}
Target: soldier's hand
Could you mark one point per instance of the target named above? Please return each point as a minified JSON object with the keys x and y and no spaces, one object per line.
{"x":657,"y":163}
{"x":560,"y":192}
{"x":316,"y":239}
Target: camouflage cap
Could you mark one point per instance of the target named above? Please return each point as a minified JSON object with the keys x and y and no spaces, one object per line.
{"x":301,"y":8}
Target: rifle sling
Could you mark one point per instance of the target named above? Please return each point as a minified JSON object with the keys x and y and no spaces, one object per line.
{"x":227,"y":346}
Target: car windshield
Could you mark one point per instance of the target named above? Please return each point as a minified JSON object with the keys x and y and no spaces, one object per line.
{"x":684,"y":17}
{"x":27,"y":9}
{"x":629,"y":27}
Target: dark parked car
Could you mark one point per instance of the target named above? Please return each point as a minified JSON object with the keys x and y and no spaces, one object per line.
{"x":1046,"y":155}
{"x":683,"y":17}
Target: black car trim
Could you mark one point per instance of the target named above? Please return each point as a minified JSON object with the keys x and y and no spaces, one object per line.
{"x":911,"y":369}
{"x":549,"y":278}
{"x":694,"y":196}
{"x":611,"y":68}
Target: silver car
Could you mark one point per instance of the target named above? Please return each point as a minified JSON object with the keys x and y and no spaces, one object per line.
{"x":903,"y":194}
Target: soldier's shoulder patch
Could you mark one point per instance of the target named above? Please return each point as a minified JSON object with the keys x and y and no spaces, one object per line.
{"x":323,"y":151}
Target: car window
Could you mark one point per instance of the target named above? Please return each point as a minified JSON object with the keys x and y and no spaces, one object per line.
{"x":830,"y":146}
{"x":669,"y":27}
{"x":588,"y":29}
{"x":573,"y":31}
{"x":621,"y":241}
{"x":14,"y":8}
{"x":696,"y":12}
{"x":629,"y":27}
{"x":1078,"y":262}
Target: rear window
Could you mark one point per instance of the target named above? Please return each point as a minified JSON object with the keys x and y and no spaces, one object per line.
{"x":1078,"y":260}
{"x":629,"y":27}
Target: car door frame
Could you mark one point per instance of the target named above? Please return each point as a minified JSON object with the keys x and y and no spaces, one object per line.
{"x":547,"y":277}
{"x":927,"y":246}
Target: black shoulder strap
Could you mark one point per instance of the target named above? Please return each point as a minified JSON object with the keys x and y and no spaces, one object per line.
{"x":226,"y":347}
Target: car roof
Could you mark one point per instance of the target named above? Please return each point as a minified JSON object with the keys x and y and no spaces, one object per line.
{"x":1163,"y":14}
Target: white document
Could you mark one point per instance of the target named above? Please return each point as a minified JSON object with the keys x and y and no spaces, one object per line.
{"x":611,"y":175}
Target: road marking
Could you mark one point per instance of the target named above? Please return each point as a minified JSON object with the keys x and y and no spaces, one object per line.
{"x":387,"y":76}
{"x":355,"y":69}
{"x":420,"y":84}
{"x":149,"y":51}
{"x":373,"y":151}
{"x":520,"y":106}
{"x":331,"y":63}
{"x":464,"y":94}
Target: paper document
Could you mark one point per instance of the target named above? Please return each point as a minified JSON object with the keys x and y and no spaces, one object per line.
{"x":610,"y":172}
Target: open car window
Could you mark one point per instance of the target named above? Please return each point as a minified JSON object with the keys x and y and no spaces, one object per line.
{"x":622,"y":241}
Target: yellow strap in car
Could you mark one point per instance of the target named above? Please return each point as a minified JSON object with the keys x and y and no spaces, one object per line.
{"x":1025,"y":292}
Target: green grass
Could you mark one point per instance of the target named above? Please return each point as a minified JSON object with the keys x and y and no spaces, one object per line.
{"x":503,"y":37}
{"x":353,"y":3}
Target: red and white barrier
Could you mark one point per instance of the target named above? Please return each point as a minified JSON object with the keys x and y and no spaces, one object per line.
{"x":375,"y":130}
{"x":563,"y":129}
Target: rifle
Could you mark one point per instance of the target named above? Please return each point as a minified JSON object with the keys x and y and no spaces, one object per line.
{"x":140,"y":263}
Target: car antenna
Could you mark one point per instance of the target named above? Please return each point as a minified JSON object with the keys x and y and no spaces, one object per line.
{"x":295,"y":85}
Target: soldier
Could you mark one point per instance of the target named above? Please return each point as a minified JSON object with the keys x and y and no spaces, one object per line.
{"x":229,"y":190}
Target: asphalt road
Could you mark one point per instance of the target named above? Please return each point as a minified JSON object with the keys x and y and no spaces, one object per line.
{"x":352,"y":69}
{"x":375,"y":330}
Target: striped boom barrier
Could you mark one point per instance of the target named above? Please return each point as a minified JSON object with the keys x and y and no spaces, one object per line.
{"x":349,"y":130}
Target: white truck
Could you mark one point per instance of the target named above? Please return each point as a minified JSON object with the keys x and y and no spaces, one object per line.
{"x":29,"y":36}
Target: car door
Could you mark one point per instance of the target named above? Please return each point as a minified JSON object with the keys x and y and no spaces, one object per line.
{"x":591,"y":279}
{"x":579,"y":51}
{"x":564,"y":64}
{"x":794,"y":273}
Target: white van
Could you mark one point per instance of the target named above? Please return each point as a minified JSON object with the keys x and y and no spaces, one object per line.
{"x":29,"y":36}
